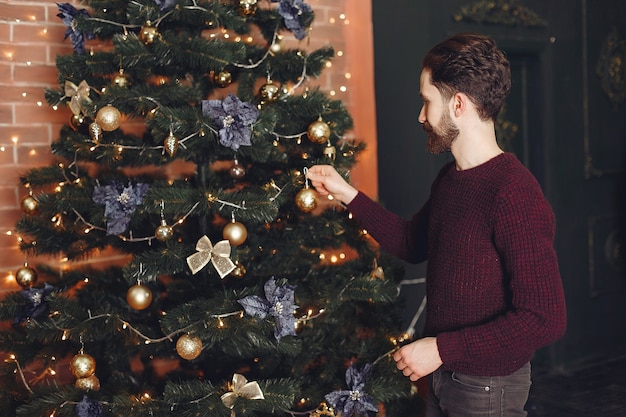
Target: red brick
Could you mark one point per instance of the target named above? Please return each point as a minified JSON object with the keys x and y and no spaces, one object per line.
{"x":7,"y":156}
{"x":6,"y":113}
{"x":8,"y":198}
{"x":34,"y":155}
{"x":35,"y":74}
{"x":29,"y":133}
{"x":22,"y":12}
{"x":6,"y":73}
{"x":5,"y":32}
{"x":26,"y":94}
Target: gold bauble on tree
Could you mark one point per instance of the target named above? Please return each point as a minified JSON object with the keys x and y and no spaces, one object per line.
{"x":247,"y":7}
{"x":91,"y":383}
{"x":121,"y":79}
{"x":164,"y":232}
{"x":171,"y":144}
{"x":235,"y":232}
{"x":318,"y":131}
{"x":148,"y":33}
{"x":29,"y":205}
{"x":95,"y":132}
{"x":239,"y":271}
{"x":26,"y":276}
{"x":77,"y":121}
{"x":330,"y":151}
{"x":189,"y":347}
{"x":307,"y":199}
{"x":222,"y":78}
{"x":139,"y":297}
{"x":109,"y":118}
{"x":269,"y":92}
{"x":237,"y":171}
{"x":83,"y":365}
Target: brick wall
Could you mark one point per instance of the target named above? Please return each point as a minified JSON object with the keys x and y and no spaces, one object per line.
{"x":31,"y":36}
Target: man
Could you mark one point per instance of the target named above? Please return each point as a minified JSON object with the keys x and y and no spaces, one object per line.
{"x":493,"y":286}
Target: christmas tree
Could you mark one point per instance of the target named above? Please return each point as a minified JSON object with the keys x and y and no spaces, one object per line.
{"x":238,"y":290}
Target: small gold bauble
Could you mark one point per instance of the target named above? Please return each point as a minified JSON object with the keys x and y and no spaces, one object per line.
{"x":139,"y":297}
{"x":148,"y":34}
{"x":77,"y":121}
{"x":247,"y":7}
{"x":378,"y":273}
{"x":237,"y":171}
{"x":164,"y":232}
{"x":26,"y":277}
{"x":239,"y":271}
{"x":83,"y":365}
{"x":235,"y":232}
{"x":189,"y":347}
{"x":170,"y":144}
{"x":109,"y":118}
{"x":330,"y":151}
{"x":29,"y":205}
{"x":222,"y":78}
{"x":307,"y":199}
{"x":91,"y":383}
{"x":318,"y":131}
{"x":120,"y":79}
{"x":95,"y":132}
{"x":269,"y":93}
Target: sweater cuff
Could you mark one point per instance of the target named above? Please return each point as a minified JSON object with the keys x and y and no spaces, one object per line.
{"x":451,"y":348}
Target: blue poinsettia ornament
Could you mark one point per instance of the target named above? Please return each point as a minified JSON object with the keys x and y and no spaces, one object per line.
{"x":88,"y":408}
{"x":279,"y":302}
{"x":165,"y":4}
{"x":354,"y":401}
{"x":36,"y":303}
{"x":235,"y":119}
{"x":68,"y":14}
{"x":119,"y":202}
{"x":292,"y":11}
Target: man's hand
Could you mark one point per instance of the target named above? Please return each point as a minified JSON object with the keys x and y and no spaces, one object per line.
{"x":419,"y":358}
{"x":327,"y":180}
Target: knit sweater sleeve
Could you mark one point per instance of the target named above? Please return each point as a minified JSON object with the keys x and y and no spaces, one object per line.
{"x":406,"y":239}
{"x":524,"y":229}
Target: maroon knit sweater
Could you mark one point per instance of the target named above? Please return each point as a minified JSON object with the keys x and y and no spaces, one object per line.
{"x":493,"y":285}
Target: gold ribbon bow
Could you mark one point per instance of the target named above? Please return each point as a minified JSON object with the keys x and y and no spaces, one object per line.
{"x":218,"y":255}
{"x":241,"y":388}
{"x":79,"y":96}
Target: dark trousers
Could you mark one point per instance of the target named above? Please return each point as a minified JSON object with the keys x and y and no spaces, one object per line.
{"x":452,"y":394}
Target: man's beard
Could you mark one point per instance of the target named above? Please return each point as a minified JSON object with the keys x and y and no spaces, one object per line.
{"x":440,"y":141}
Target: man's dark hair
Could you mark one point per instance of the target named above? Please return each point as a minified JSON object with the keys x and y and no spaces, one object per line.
{"x":472,"y":64}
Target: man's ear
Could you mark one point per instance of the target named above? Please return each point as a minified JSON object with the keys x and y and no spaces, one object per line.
{"x":459,"y":104}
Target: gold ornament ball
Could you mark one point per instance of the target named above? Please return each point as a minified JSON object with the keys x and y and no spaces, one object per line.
{"x":222,"y":78}
{"x":26,"y":277}
{"x":164,"y":232}
{"x":77,"y":121}
{"x":170,"y":144}
{"x":148,"y":34}
{"x":239,"y":271}
{"x":139,"y":297}
{"x":330,"y":151}
{"x":318,"y":132}
{"x":109,"y":118}
{"x":247,"y":7}
{"x":120,"y":79}
{"x":235,"y":232}
{"x":29,"y":205}
{"x":237,"y":171}
{"x":189,"y":347}
{"x":269,"y":93}
{"x":91,"y":383}
{"x":307,"y":199}
{"x":95,"y":132}
{"x":83,"y":365}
